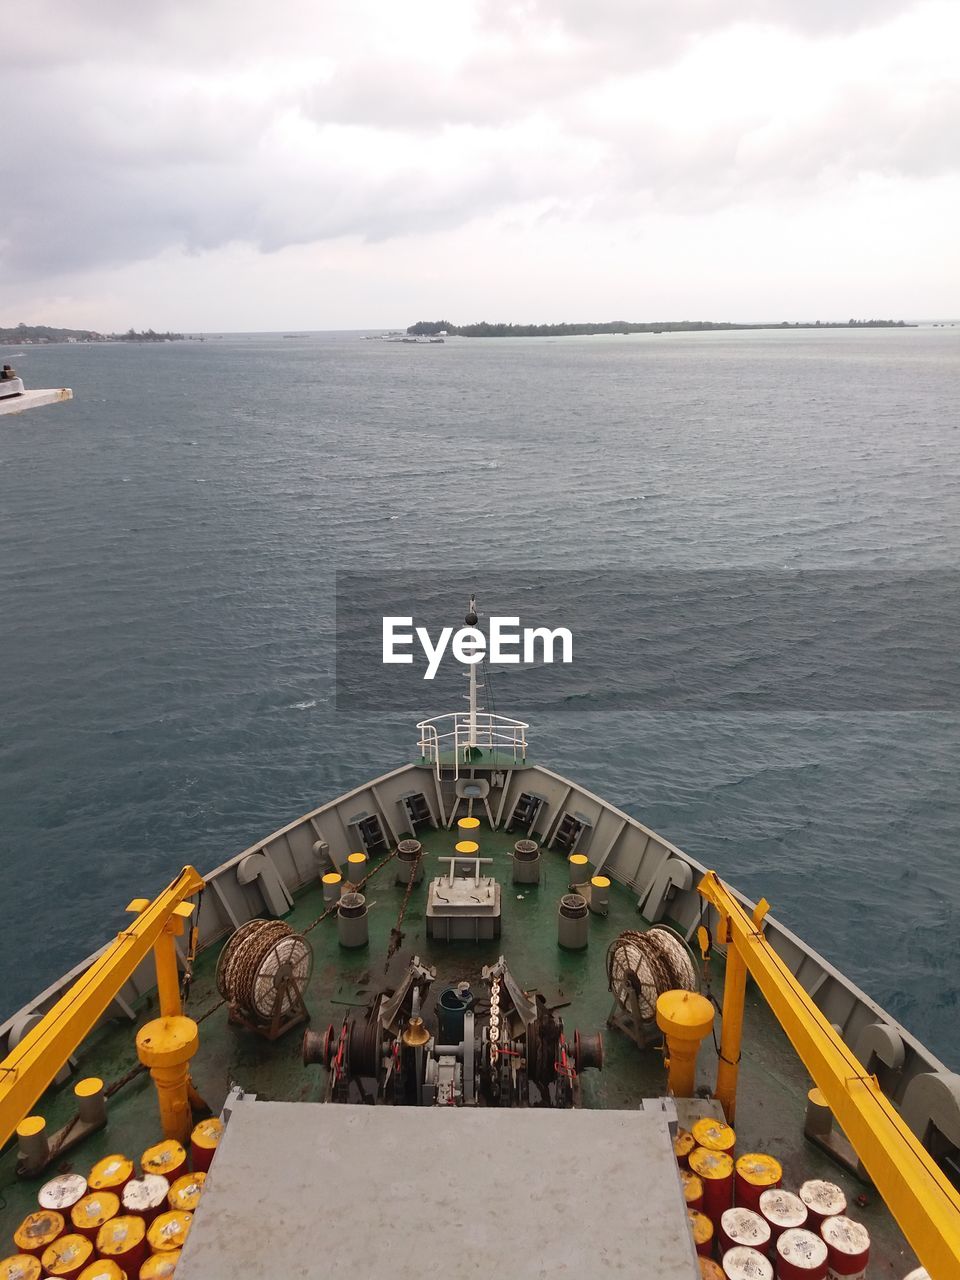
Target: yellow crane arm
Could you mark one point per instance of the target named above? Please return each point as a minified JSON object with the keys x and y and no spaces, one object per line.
{"x":29,"y":1068}
{"x":914,"y":1188}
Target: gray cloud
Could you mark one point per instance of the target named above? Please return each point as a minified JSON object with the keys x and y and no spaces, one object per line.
{"x":141,"y":129}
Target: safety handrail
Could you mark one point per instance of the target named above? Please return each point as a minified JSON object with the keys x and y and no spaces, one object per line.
{"x":916,"y":1191}
{"x":29,"y":1068}
{"x":456,"y":732}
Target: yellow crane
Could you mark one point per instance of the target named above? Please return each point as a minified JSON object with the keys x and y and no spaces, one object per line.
{"x":916,"y":1191}
{"x":27,"y":1071}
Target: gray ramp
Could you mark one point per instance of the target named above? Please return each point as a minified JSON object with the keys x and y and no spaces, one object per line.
{"x":306,"y":1190}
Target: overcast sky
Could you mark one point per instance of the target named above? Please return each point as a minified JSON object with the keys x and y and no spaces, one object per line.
{"x":224,"y":165}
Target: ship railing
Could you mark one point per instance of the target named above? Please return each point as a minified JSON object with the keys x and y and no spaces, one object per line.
{"x":448,"y":740}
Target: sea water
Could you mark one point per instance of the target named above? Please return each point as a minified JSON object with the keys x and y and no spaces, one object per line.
{"x":168,"y":546}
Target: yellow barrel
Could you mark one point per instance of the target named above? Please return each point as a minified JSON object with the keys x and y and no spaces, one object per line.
{"x":67,"y":1256}
{"x":756,"y":1172}
{"x":169,"y":1231}
{"x":715,"y":1135}
{"x":710,"y":1270}
{"x":89,"y":1214}
{"x":124,"y":1239}
{"x":692,"y":1189}
{"x":683,"y":1144}
{"x":104,"y":1269}
{"x":186,"y":1191}
{"x":160,"y":1266}
{"x":203,"y":1143}
{"x":702,"y":1230}
{"x":20,"y":1266}
{"x":467,"y":848}
{"x":38,"y":1230}
{"x":715,"y":1171}
{"x":112,"y":1173}
{"x":578,"y":864}
{"x":167,"y":1158}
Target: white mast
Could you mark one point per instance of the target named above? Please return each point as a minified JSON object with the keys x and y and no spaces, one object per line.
{"x":471,"y":620}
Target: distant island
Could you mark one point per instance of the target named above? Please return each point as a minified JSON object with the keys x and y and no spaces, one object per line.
{"x":38,"y":334}
{"x":433,"y":328}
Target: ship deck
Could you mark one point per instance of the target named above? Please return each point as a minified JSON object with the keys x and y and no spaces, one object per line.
{"x":773,"y":1083}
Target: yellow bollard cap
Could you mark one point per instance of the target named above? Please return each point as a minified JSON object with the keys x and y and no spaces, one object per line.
{"x":167,"y":1042}
{"x":332,"y":877}
{"x":600,"y":882}
{"x":468,"y":824}
{"x":30,"y":1126}
{"x":88,"y":1088}
{"x":684,"y":1015}
{"x":356,"y":857}
{"x":578,"y":859}
{"x":467,"y":847}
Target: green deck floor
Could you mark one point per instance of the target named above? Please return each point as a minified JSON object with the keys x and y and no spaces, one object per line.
{"x":773,"y":1084}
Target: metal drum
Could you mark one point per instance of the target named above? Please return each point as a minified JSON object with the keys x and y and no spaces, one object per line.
{"x":186,"y":1192}
{"x":160,"y":1266}
{"x":67,"y":1257}
{"x":203,"y":1143}
{"x":683,"y":1144}
{"x":124,"y":1239}
{"x":754,"y":1174}
{"x":146,"y":1196}
{"x":167,"y":1158}
{"x":783,"y":1211}
{"x":103,"y":1269}
{"x":169,"y":1231}
{"x":743,"y":1227}
{"x":823,"y":1200}
{"x":746,"y":1264}
{"x":800,"y":1255}
{"x":60,"y":1193}
{"x":848,"y":1247}
{"x":112,"y":1173}
{"x":692,"y":1189}
{"x":39,"y":1230}
{"x":90,"y":1213}
{"x":715,"y":1170}
{"x":715,"y":1135}
{"x":20,"y":1266}
{"x":701,"y":1228}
